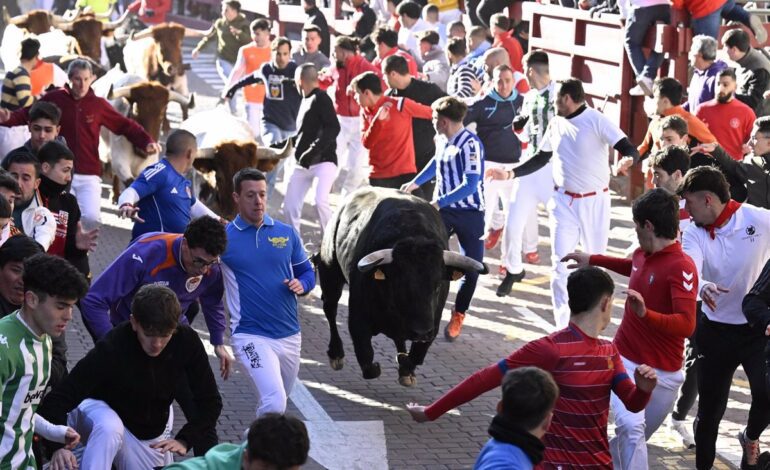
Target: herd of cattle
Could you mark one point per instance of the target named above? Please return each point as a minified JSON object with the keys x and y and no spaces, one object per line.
{"x":390,"y":248}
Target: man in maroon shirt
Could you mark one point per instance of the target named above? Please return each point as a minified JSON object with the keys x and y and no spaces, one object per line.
{"x":82,"y":116}
{"x":586,"y":369}
{"x":659,"y":315}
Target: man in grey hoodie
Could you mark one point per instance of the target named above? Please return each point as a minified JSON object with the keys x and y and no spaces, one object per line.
{"x":435,"y":66}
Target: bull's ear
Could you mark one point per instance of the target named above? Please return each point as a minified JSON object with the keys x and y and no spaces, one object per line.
{"x":379,"y":275}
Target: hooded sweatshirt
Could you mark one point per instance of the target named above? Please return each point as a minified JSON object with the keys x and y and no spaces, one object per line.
{"x":494,"y":116}
{"x":65,"y":210}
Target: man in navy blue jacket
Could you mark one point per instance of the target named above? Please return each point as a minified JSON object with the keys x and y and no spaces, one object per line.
{"x":493,"y":114}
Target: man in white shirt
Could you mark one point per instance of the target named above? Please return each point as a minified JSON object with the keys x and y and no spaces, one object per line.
{"x":578,"y":139}
{"x":411,"y":23}
{"x":729,"y":243}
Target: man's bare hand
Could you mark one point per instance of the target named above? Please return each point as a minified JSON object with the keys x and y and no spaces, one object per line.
{"x":622,"y":166}
{"x":496,"y":174}
{"x":226,"y":361}
{"x":71,"y":438}
{"x":130,"y":211}
{"x":580,"y":260}
{"x":636,"y":302}
{"x":645,"y":378}
{"x":408,"y":188}
{"x":295,"y":286}
{"x":170,"y":445}
{"x":710,"y":293}
{"x":86,"y":240}
{"x":63,"y":459}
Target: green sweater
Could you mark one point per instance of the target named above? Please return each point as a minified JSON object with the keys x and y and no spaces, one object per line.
{"x":220,"y":457}
{"x":227,"y":42}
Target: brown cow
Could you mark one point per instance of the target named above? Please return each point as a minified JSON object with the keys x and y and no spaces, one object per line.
{"x":156,"y":54}
{"x":225,"y":160}
{"x":36,"y":21}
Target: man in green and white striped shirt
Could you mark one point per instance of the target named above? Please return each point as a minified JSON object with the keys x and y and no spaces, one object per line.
{"x":51,"y":288}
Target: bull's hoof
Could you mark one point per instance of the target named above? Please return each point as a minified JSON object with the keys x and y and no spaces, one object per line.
{"x":407,"y":380}
{"x":337,"y":363}
{"x":372,"y":371}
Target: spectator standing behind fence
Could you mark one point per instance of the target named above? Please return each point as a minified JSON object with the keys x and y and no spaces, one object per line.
{"x":462,"y":82}
{"x":706,"y":17}
{"x":705,"y":67}
{"x":435,"y":66}
{"x":753,"y":71}
{"x":232,"y":32}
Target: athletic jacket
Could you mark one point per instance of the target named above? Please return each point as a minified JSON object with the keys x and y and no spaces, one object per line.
{"x":753,"y":173}
{"x":82,"y":121}
{"x":753,"y":80}
{"x":703,"y":85}
{"x":37,"y":222}
{"x":153,"y":258}
{"x":317,"y":130}
{"x":140,"y":388}
{"x":494,"y":116}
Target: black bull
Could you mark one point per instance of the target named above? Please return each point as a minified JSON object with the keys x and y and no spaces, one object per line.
{"x":392,"y":250}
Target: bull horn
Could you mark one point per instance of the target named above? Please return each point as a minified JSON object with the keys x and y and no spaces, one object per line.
{"x":207,"y":153}
{"x":112,"y":25}
{"x":265,"y":153}
{"x":177,"y":97}
{"x":194,"y":33}
{"x":145,"y":33}
{"x":463,"y":263}
{"x":16,"y":20}
{"x":375,"y":259}
{"x":122,"y":92}
{"x":65,"y":26}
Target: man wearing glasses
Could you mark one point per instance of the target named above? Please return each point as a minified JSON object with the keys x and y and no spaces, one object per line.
{"x":161,"y":199}
{"x":186,"y":263}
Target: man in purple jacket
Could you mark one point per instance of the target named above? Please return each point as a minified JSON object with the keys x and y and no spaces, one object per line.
{"x":706,"y":67}
{"x":188,"y":264}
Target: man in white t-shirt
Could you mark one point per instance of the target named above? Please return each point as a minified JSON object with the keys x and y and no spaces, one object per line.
{"x":578,"y":139}
{"x":729,"y":243}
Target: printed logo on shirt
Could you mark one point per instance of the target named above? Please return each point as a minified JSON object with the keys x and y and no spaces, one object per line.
{"x":688,"y":286}
{"x":750,"y":230}
{"x":174,"y":191}
{"x":751,"y":233}
{"x":278,"y":242}
{"x":4,"y":340}
{"x":251,"y":354}
{"x":193,"y":283}
{"x":90,"y":118}
{"x":735,"y":123}
{"x":34,"y":397}
{"x":275,"y":87}
{"x":137,"y":258}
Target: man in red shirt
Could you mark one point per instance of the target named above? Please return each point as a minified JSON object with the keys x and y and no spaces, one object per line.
{"x":730,"y":120}
{"x":659,"y":315}
{"x":504,"y":38}
{"x":386,"y":130}
{"x":386,"y":41}
{"x":586,"y":369}
{"x":348,"y":65}
{"x":82,"y":116}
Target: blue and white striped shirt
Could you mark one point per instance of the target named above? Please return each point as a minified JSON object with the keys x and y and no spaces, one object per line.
{"x":459,"y":163}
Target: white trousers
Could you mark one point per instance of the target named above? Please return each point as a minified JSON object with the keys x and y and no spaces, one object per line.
{"x":273,"y":365}
{"x":88,"y":191}
{"x":521,"y":232}
{"x":497,"y":193}
{"x":108,"y":442}
{"x":356,"y":160}
{"x":632,"y":430}
{"x":254,"y":118}
{"x":299,"y":184}
{"x":584,"y":221}
{"x":12,"y":138}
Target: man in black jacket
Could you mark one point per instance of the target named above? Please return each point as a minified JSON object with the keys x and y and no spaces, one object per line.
{"x":753,"y":173}
{"x":70,"y":242}
{"x":316,"y":17}
{"x":120,"y":394}
{"x":753,"y":70}
{"x":395,"y":71}
{"x":316,"y":149}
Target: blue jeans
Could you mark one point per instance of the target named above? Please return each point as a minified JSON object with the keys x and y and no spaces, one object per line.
{"x":468,"y":225}
{"x":709,"y":24}
{"x":638,"y":23}
{"x":272,"y":135}
{"x":224,"y":68}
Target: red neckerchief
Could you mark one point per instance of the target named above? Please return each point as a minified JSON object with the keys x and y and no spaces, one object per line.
{"x":730,"y":209}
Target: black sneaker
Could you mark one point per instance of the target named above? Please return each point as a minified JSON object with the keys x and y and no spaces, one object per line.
{"x":507,"y":285}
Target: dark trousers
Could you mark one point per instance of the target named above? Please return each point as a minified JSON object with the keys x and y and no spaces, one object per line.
{"x":487,"y":8}
{"x":638,"y":23}
{"x":468,"y":225}
{"x":394,"y":183}
{"x":723,"y":348}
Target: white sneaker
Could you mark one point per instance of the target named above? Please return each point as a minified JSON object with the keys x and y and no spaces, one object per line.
{"x":759,"y":29}
{"x":680,"y":427}
{"x":636,"y":91}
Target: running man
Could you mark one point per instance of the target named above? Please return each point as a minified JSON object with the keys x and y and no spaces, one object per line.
{"x":265,"y":268}
{"x":457,"y":167}
{"x":584,"y":367}
{"x":659,"y":315}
